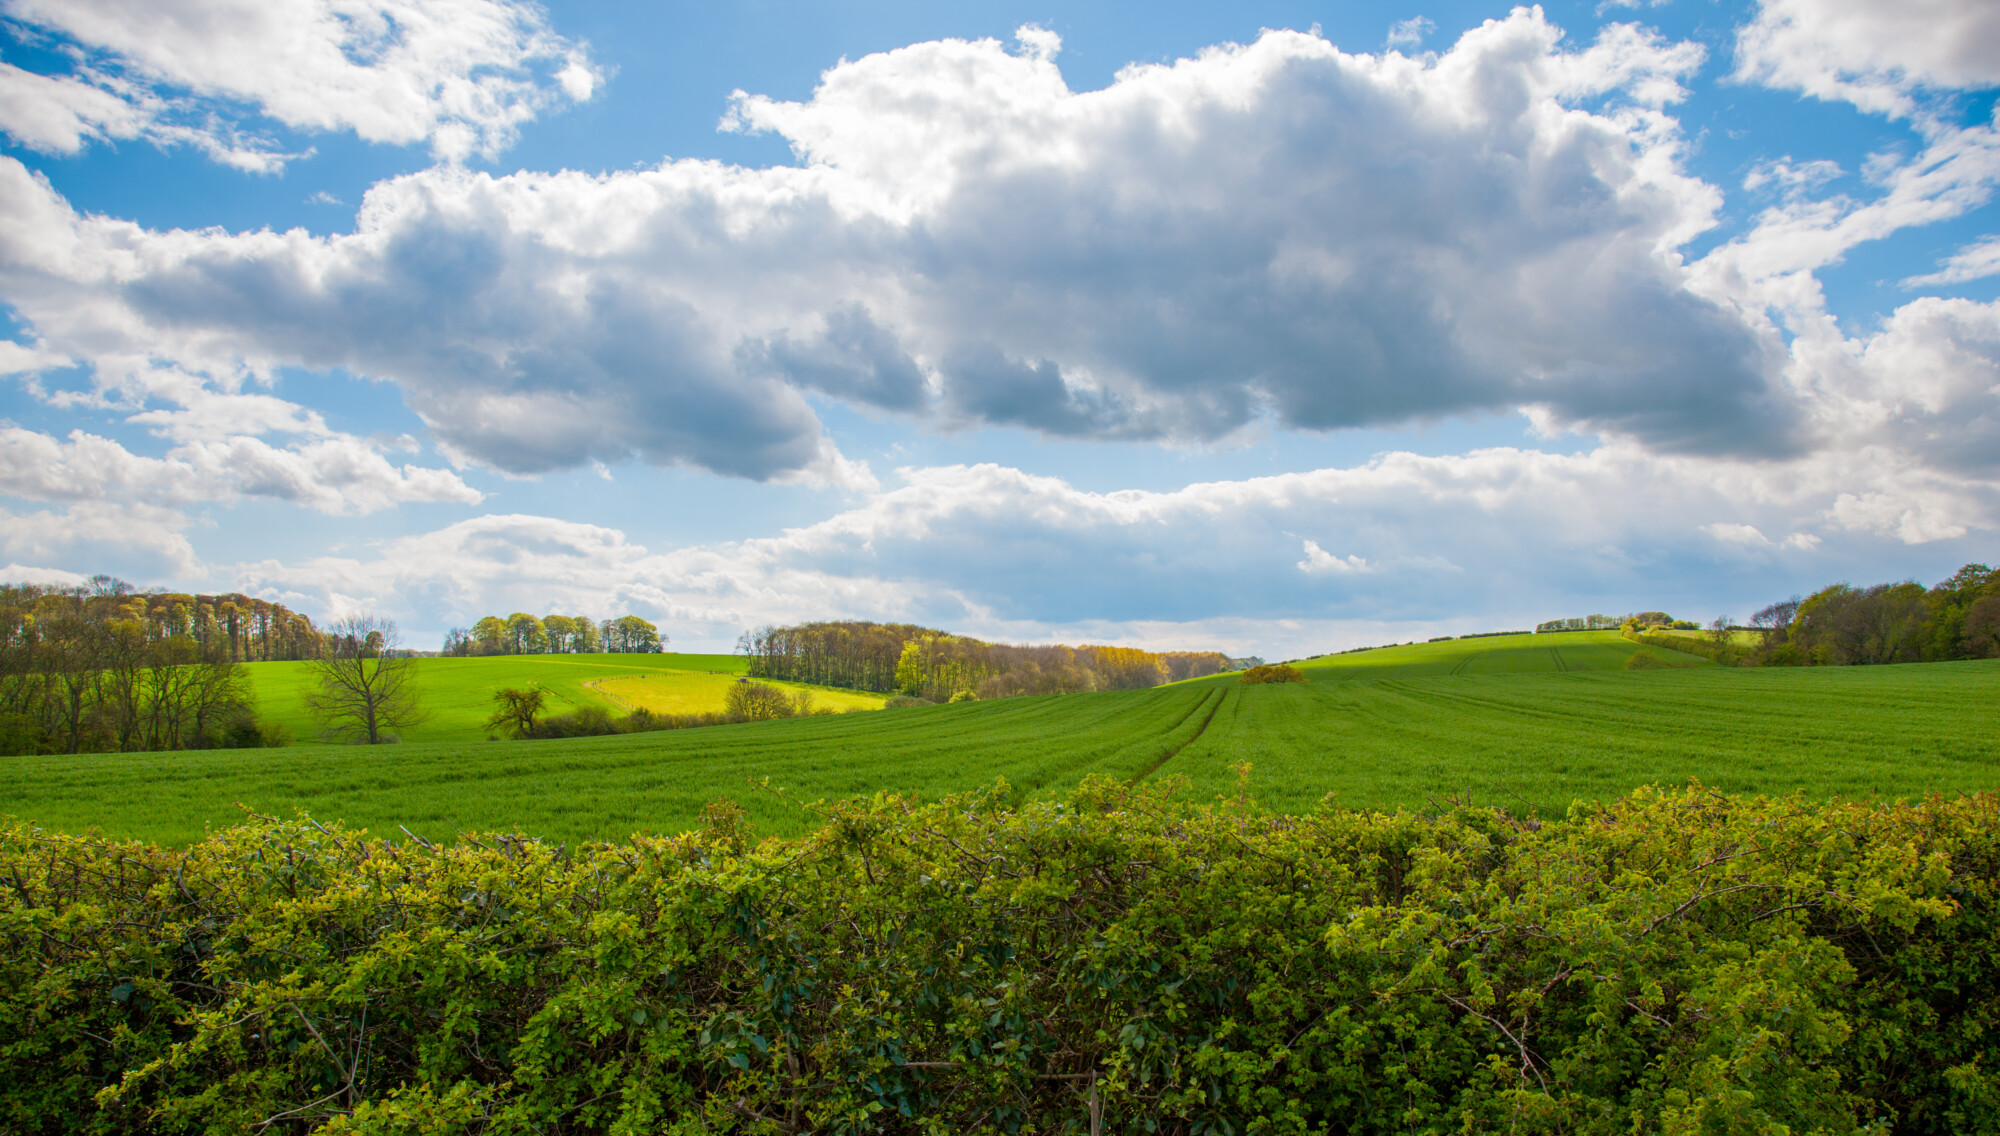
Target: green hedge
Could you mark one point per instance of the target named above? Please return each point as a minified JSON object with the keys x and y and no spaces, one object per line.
{"x":1728,"y":654}
{"x":1677,"y":962}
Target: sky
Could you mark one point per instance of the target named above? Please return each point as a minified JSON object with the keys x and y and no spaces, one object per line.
{"x":1272,"y":328}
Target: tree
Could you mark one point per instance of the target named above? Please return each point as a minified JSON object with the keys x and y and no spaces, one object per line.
{"x":630,"y":633}
{"x":362,"y":689}
{"x":561,"y":632}
{"x":755,"y":702}
{"x":1774,"y":620}
{"x":515,"y":710}
{"x":1718,"y":631}
{"x":525,"y":635}
{"x":489,"y":636}
{"x":1982,"y":628}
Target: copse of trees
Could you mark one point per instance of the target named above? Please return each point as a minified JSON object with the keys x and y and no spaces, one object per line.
{"x":101,"y":666}
{"x":525,"y":634}
{"x":923,"y":662}
{"x":518,"y":713}
{"x":1844,"y":625}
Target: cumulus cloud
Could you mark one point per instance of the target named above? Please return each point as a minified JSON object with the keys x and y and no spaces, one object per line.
{"x":462,"y":75}
{"x":145,"y":540}
{"x":1270,"y":232}
{"x":1319,"y":560}
{"x":337,"y":474}
{"x":1880,"y":57}
{"x":1003,"y":553}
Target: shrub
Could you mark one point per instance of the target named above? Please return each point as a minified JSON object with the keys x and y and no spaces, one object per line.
{"x":899,"y":701}
{"x":1272,"y":672}
{"x":1675,"y":961}
{"x":755,"y":702}
{"x":582,"y":722}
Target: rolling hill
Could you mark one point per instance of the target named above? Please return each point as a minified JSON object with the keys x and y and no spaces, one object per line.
{"x":1497,"y":721}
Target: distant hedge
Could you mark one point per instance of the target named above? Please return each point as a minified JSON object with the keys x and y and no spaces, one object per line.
{"x":1272,"y":672}
{"x":1678,"y":961}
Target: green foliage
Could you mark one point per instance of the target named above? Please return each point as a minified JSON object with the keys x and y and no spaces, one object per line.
{"x":926,"y":663}
{"x":1274,"y":672}
{"x":459,"y":691}
{"x":1679,"y":962}
{"x":522,"y":633}
{"x":1724,"y":652}
{"x":515,"y":710}
{"x":1843,"y":625}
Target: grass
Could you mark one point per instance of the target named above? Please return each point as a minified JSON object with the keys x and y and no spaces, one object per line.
{"x":615,"y":786}
{"x":459,"y":692}
{"x":1502,"y":720}
{"x":1497,"y":654}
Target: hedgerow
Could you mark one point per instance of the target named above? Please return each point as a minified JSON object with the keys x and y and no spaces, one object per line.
{"x":1124,"y":961}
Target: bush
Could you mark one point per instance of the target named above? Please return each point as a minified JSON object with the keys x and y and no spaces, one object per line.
{"x":1273,"y":672}
{"x":1727,"y":654}
{"x":582,"y":722}
{"x":1677,"y":961}
{"x":899,"y":701}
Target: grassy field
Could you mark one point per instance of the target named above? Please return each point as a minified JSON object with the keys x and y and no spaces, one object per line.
{"x":1495,"y":654}
{"x":1498,"y":720}
{"x":459,"y":692}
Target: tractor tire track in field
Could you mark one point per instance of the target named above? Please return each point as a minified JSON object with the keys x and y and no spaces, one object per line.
{"x":1222,"y":696}
{"x":1557,"y":656}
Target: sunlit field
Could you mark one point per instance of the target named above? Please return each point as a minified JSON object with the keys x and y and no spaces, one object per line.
{"x":458,"y":693}
{"x":1497,"y":721}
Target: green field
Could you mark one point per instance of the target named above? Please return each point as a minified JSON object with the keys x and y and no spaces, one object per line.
{"x":1533,"y":722}
{"x":1494,"y":654}
{"x":458,"y":693}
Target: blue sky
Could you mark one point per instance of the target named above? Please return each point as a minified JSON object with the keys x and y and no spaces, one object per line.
{"x":1271,"y":328}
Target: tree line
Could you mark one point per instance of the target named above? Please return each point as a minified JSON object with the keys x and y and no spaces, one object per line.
{"x":1845,"y":625}
{"x":101,"y":667}
{"x":553,"y":634}
{"x":1839,"y":625}
{"x":924,"y":662}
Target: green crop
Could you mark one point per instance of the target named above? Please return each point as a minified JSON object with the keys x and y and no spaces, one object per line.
{"x":1533,"y":740}
{"x":458,"y":693}
{"x":614,"y":786}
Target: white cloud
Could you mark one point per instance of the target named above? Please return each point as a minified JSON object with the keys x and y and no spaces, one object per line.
{"x":1410,"y":32}
{"x":1880,"y":57}
{"x":1001,"y":553}
{"x":1752,"y":539}
{"x":1975,"y":261}
{"x":1318,"y":560}
{"x":1273,"y":232}
{"x":463,"y":75}
{"x":57,"y":114}
{"x":1791,"y":177}
{"x":337,"y":474}
{"x":145,"y":540}
{"x":28,"y":574}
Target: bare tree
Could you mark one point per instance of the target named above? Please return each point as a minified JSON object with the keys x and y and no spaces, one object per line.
{"x":363,"y":690}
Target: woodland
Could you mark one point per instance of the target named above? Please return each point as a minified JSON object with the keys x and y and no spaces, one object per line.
{"x":923,"y":662}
